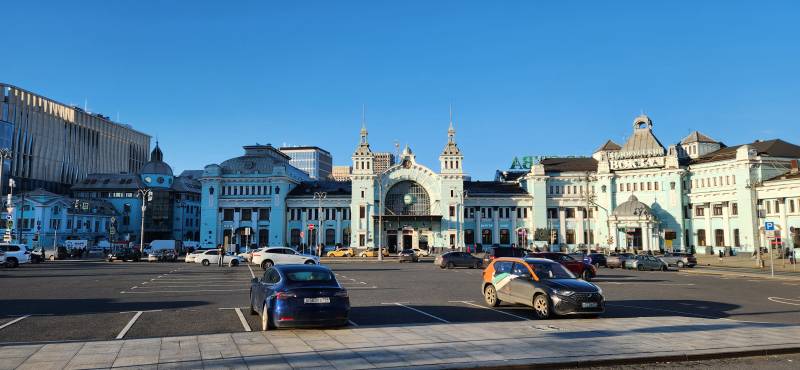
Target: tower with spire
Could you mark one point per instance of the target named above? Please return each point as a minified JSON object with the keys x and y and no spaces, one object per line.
{"x":451,"y":159}
{"x":363,"y":158}
{"x":362,"y":206}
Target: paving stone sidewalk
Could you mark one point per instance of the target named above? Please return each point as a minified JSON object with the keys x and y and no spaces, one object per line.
{"x":494,"y":344}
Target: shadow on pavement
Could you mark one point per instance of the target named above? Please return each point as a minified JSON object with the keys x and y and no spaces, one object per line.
{"x":84,"y":306}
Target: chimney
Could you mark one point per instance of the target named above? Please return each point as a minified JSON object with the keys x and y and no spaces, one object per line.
{"x":794,"y":170}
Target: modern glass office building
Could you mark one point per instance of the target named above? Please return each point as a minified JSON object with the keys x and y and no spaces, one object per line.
{"x":315,"y":161}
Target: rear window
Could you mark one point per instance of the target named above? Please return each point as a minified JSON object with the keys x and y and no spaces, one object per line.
{"x":310,"y":277}
{"x":508,"y":252}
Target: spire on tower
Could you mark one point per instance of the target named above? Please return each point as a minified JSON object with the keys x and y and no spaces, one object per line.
{"x":451,"y":132}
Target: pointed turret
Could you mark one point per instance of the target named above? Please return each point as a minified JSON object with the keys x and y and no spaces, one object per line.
{"x":363,"y":159}
{"x":451,"y":158}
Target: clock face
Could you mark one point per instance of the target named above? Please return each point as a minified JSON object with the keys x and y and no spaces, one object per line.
{"x":148,"y":179}
{"x":160,"y":180}
{"x":408,"y":199}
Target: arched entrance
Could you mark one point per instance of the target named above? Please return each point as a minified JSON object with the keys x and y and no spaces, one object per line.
{"x":407,"y":219}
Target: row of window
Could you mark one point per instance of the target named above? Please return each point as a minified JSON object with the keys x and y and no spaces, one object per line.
{"x":245,"y":214}
{"x":719,"y":238}
{"x":639,"y":186}
{"x":30,"y":223}
{"x":773,"y":206}
{"x":716,"y":210}
{"x":488,"y":212}
{"x":247,"y":190}
{"x":710,"y":182}
{"x":568,"y":189}
{"x":569,"y":213}
{"x":296,"y":214}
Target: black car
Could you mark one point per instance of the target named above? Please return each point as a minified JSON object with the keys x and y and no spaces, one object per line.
{"x":545,"y":285}
{"x":125,"y":254}
{"x":407,"y":255}
{"x":497,"y":252}
{"x":299,"y":296}
{"x":457,"y":259}
{"x":598,"y":259}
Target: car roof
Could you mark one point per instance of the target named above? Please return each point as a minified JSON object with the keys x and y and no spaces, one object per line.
{"x":524,"y":259}
{"x":298,"y":267}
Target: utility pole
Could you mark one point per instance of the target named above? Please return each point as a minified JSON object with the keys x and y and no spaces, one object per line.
{"x":319,"y":196}
{"x":147,"y":196}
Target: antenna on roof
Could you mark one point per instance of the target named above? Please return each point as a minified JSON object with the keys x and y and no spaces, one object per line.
{"x":363,"y":116}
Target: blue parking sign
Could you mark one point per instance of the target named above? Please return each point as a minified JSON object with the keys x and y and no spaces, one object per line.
{"x":769,"y":226}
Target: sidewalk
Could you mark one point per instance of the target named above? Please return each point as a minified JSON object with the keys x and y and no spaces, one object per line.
{"x":569,"y":342}
{"x":743,"y":266}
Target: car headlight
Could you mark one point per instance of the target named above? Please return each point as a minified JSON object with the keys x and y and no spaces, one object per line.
{"x":563,"y":292}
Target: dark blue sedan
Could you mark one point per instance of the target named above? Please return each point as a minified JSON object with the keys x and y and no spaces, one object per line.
{"x":299,"y":296}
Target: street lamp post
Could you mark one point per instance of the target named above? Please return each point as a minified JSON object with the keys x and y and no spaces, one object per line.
{"x":462,"y":196}
{"x":147,"y":196}
{"x":380,"y":217}
{"x":319,"y":196}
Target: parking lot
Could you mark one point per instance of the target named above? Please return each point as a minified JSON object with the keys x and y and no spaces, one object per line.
{"x":83,"y":300}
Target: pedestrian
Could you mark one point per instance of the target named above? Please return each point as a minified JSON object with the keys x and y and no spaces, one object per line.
{"x":221,"y":254}
{"x":721,"y":254}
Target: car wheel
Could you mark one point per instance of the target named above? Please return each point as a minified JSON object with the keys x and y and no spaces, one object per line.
{"x":640,"y":267}
{"x":680,"y":264}
{"x":541,"y":306}
{"x":450,"y":265}
{"x":233,"y":263}
{"x":266,"y":320}
{"x":477,"y":265}
{"x":52,"y":258}
{"x":267,"y":264}
{"x":310,"y":262}
{"x":664,"y":268}
{"x":586,"y":275}
{"x":12,"y":262}
{"x":206,"y":262}
{"x":363,"y":255}
{"x":109,"y":260}
{"x":490,"y":296}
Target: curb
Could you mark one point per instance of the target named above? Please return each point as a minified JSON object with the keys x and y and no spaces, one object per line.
{"x":711,"y":271}
{"x":522,"y":364}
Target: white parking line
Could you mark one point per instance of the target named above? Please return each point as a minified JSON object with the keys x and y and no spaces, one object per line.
{"x":420,"y":311}
{"x":253,"y":274}
{"x":18,"y":319}
{"x":241,"y":318}
{"x":352,"y":323}
{"x":185,"y":291}
{"x":130,"y":324}
{"x":793,"y":302}
{"x":489,"y":308}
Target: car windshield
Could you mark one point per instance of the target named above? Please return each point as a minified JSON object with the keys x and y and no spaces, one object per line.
{"x":310,"y":277}
{"x":546,"y":270}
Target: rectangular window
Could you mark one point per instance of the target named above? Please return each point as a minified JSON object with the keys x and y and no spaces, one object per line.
{"x":452,"y":211}
{"x":791,"y":205}
{"x":263,"y":214}
{"x":649,"y":184}
{"x":701,"y":238}
{"x":505,"y":236}
{"x":571,"y":234}
{"x":362,"y":240}
{"x":552,"y":213}
{"x":719,"y":238}
{"x":777,"y":206}
{"x":362,"y":213}
{"x":699,"y":211}
{"x":628,"y":187}
{"x":717,"y":210}
{"x":569,"y":213}
{"x":621,"y":187}
{"x":655,"y":186}
{"x":734,"y":209}
{"x":247,"y":214}
{"x":227,"y":214}
{"x":736,"y":238}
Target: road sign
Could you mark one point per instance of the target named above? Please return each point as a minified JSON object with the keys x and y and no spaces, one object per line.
{"x":311,"y":226}
{"x":769,"y":226}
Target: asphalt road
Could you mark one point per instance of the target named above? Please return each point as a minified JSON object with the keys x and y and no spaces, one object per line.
{"x":79,"y":300}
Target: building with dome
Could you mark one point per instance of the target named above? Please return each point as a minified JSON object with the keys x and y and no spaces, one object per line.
{"x":696,"y":193}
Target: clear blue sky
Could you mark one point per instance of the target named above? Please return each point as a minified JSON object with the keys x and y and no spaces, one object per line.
{"x":527,"y":77}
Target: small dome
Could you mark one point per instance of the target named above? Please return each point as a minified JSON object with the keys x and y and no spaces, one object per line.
{"x":156,"y":165}
{"x":632,"y":208}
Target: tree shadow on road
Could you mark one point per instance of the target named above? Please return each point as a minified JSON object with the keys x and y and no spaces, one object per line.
{"x":86,"y":306}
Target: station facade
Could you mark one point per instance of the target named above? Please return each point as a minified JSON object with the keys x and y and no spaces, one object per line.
{"x":695,"y":194}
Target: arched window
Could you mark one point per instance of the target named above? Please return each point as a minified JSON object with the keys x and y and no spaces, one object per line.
{"x":407,"y":198}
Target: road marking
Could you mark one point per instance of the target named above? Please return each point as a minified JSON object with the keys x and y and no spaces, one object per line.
{"x":253,"y":274}
{"x":793,"y":302}
{"x":420,"y":311}
{"x":241,"y":318}
{"x":186,"y":291}
{"x":18,"y":319}
{"x":130,"y":324}
{"x":490,"y":308}
{"x":352,"y":323}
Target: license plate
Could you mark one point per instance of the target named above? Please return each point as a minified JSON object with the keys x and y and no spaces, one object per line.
{"x":589,"y":305}
{"x":317,"y":300}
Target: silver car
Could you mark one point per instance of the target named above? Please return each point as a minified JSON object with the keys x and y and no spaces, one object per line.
{"x":645,"y":263}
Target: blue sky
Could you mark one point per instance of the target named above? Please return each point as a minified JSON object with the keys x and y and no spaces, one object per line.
{"x":524,"y":78}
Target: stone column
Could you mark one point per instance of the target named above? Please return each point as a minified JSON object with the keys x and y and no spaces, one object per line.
{"x":579,"y":227}
{"x":709,"y":230}
{"x":338,"y":215}
{"x":645,"y":235}
{"x":303,"y":223}
{"x":726,"y":225}
{"x":513,"y":231}
{"x":478,"y":231}
{"x":496,"y":226}
{"x":786,"y":236}
{"x":562,"y":225}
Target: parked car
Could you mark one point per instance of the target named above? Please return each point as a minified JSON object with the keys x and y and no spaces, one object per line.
{"x":422,"y":252}
{"x":162,"y":255}
{"x":211,"y":257}
{"x":124,"y":254}
{"x":408,"y":255}
{"x":268,"y":257}
{"x":192,"y":255}
{"x":373,"y":252}
{"x":2,"y":258}
{"x":581,"y":269}
{"x":543,"y":284}
{"x":299,"y":296}
{"x":60,"y":254}
{"x":617,"y":260}
{"x":342,"y":252}
{"x":679,"y":259}
{"x":457,"y":259}
{"x":16,"y":254}
{"x":643,"y":262}
{"x":490,"y":253}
